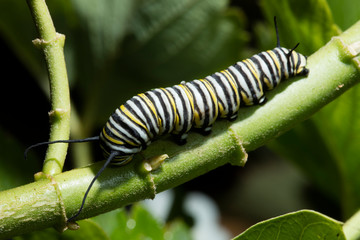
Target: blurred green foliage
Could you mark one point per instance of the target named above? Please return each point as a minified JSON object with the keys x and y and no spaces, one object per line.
{"x":118,"y":225}
{"x":117,"y":48}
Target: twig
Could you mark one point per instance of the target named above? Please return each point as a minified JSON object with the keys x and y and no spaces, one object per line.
{"x":52,"y":45}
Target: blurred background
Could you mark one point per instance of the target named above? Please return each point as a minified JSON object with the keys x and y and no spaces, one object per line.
{"x":117,"y":48}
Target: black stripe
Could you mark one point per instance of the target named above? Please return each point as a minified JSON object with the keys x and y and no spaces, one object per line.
{"x":166,"y":112}
{"x":124,"y":139}
{"x":260,"y":70}
{"x":247,"y":80}
{"x":140,"y":106}
{"x":282,"y":64}
{"x":234,"y":90}
{"x":270,"y":68}
{"x":254,"y":76}
{"x":186,"y":114}
{"x":127,"y":128}
{"x":240,"y":88}
{"x":133,"y":112}
{"x":273,"y":68}
{"x":196,"y":105}
{"x":297,"y":63}
{"x":289,"y":61}
{"x":218,"y":80}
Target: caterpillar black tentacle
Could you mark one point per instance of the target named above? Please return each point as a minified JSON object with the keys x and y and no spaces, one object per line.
{"x":196,"y":104}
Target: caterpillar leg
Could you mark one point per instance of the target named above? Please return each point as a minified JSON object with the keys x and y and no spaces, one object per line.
{"x":233,"y":117}
{"x":262,"y":100}
{"x":180,"y":139}
{"x":205,"y":131}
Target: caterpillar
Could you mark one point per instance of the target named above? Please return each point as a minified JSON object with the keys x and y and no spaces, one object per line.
{"x":196,"y":104}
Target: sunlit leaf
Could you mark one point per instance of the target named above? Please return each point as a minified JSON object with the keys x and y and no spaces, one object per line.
{"x":299,"y":225}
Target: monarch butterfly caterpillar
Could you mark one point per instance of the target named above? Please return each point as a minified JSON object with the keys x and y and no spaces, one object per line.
{"x":195,"y":104}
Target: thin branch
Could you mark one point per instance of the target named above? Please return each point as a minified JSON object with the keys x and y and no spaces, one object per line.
{"x":52,"y":45}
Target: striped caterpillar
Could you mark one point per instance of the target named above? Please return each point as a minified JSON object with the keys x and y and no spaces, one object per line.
{"x":196,"y":104}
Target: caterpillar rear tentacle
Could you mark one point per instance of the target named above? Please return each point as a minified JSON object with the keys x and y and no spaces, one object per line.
{"x":196,"y":104}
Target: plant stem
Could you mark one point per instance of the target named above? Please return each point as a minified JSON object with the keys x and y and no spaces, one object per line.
{"x":52,"y":45}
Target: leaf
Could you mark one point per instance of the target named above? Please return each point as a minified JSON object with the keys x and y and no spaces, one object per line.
{"x":305,"y":146}
{"x":178,"y":230}
{"x":139,"y":224}
{"x":303,"y":224}
{"x":88,"y":231}
{"x":114,"y":223}
{"x":142,"y":224}
{"x":309,"y":22}
{"x":105,"y":23}
{"x":339,"y":125}
{"x":165,"y":46}
{"x":345,"y":12}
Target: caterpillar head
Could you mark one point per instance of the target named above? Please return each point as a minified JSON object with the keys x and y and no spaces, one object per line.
{"x":297,"y":63}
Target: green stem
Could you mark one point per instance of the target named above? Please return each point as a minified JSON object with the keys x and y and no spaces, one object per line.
{"x":333,"y":70}
{"x":52,"y":45}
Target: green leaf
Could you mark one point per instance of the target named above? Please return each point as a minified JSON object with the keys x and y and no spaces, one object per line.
{"x":165,"y":46}
{"x":339,"y":125}
{"x":105,"y":23}
{"x":345,"y":12}
{"x":142,"y":224}
{"x":309,"y":22}
{"x":139,"y":224}
{"x":88,"y":231}
{"x":114,"y":223}
{"x":178,"y":230}
{"x":303,"y":224}
{"x":305,"y":146}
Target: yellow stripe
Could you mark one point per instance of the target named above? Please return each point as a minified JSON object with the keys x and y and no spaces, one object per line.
{"x":213,"y":95}
{"x":111,"y":139}
{"x":132,"y":117}
{"x":189,"y":95}
{"x":173,"y":105}
{"x":252,"y":68}
{"x":151,"y":106}
{"x":245,"y":98}
{"x":221,"y":110}
{"x":191,"y":100}
{"x":268,"y":83}
{"x":210,"y":89}
{"x":296,"y":60}
{"x":233,"y":83}
{"x":275,"y":60}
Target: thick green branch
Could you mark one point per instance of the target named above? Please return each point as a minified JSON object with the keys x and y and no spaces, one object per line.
{"x":333,"y":70}
{"x":52,"y":45}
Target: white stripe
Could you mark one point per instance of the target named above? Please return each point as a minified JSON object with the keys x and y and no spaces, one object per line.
{"x":241,"y":80}
{"x":148,"y":113}
{"x":141,"y":116}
